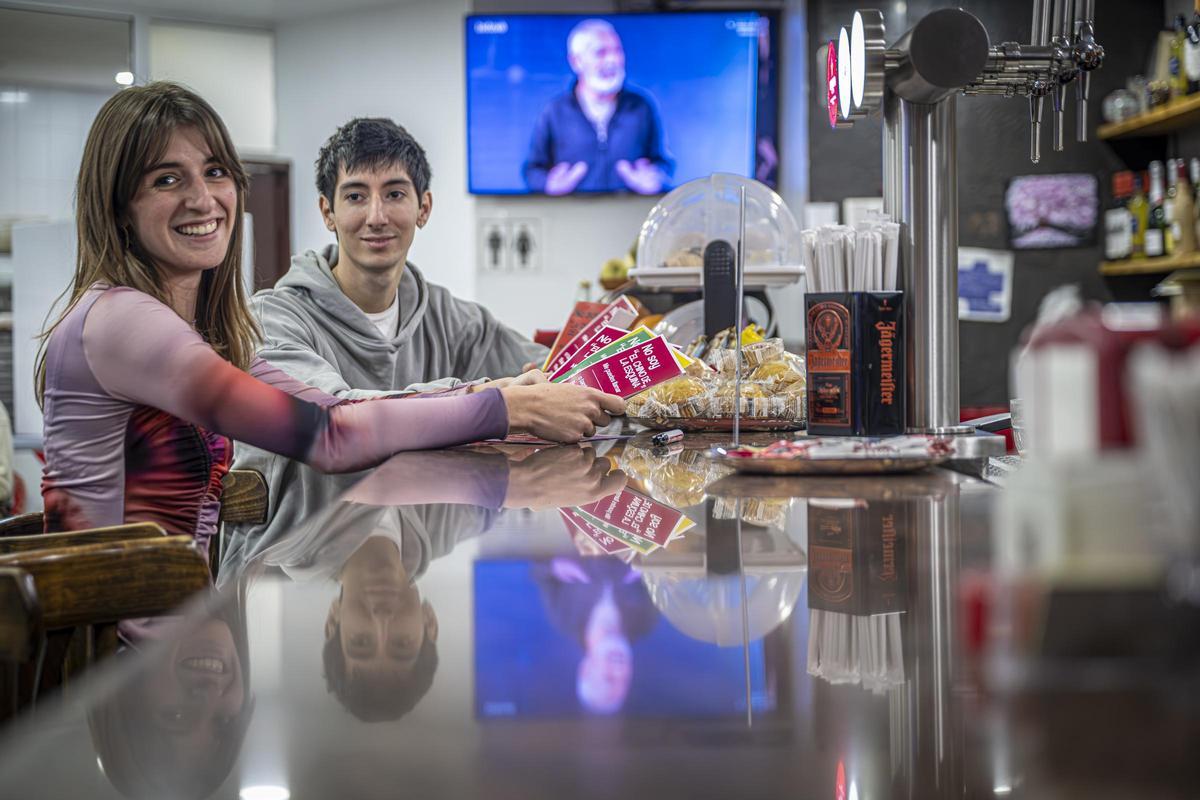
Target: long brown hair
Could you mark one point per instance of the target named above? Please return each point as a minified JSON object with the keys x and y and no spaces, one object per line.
{"x":131,"y":132}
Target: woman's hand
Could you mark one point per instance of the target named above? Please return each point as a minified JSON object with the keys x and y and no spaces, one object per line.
{"x":559,"y":412}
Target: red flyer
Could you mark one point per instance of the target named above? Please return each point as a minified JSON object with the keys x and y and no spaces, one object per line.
{"x":583,"y":313}
{"x":631,"y":371}
{"x":606,"y":336}
{"x":638,"y":514}
{"x":603,"y":541}
{"x":620,"y":313}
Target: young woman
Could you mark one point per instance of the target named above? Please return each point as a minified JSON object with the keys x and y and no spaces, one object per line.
{"x":152,"y":364}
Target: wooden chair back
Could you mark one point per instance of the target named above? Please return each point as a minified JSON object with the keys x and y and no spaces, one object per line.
{"x":22,"y":525}
{"x":20,"y":615}
{"x":110,"y":581}
{"x":115,"y":533}
{"x":243,"y":497}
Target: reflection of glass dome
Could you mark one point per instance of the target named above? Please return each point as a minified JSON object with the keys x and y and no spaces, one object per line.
{"x":677,"y":230}
{"x":709,"y":608}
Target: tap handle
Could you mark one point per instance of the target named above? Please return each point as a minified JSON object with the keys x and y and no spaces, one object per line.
{"x":1060,"y":93}
{"x":1036,"y":103}
{"x":1066,"y":24}
{"x":1041,"y":22}
{"x":1082,"y":89}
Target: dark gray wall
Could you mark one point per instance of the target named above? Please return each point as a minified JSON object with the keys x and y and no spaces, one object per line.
{"x":993,"y":136}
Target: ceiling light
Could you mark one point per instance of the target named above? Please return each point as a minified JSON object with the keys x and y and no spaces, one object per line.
{"x":124,"y":78}
{"x":265,"y":793}
{"x":14,"y":97}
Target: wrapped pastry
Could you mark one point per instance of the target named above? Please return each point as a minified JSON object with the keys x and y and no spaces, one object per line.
{"x":677,"y":390}
{"x":635,"y":404}
{"x":759,"y":353}
{"x":770,"y":511}
{"x":678,"y":485}
{"x":754,"y":397}
{"x":724,"y":508}
{"x":777,"y":375}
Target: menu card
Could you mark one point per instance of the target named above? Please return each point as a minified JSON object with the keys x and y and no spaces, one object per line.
{"x":583,"y":313}
{"x":619,"y":314}
{"x":626,"y":523}
{"x":607,"y":338}
{"x":635,"y":513}
{"x":632,"y":370}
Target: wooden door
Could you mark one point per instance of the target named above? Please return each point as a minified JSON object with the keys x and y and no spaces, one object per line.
{"x":268,"y":201}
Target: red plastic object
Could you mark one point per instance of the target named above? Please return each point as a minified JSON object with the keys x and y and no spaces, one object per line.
{"x":545,"y":337}
{"x":975,"y":412}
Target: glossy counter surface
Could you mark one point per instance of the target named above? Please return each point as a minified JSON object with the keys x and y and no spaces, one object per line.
{"x":438,"y":627}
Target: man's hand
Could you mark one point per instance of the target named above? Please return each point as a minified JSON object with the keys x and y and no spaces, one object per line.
{"x":555,"y":477}
{"x":530,"y":377}
{"x":564,"y":176}
{"x":560,"y":412}
{"x":641,"y":176}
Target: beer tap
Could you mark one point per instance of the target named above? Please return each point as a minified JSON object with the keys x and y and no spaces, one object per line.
{"x":1065,"y":66}
{"x":1088,"y":55}
{"x":1038,"y":87}
{"x":915,"y":83}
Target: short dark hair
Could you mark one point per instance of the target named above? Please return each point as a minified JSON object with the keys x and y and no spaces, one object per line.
{"x":374,"y":699}
{"x":371,"y":143}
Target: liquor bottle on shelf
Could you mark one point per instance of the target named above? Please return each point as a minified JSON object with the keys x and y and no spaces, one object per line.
{"x":1177,"y":79}
{"x":1169,"y":206}
{"x":1194,"y":169}
{"x":1158,"y":232}
{"x":1139,"y":212}
{"x":1182,"y":213}
{"x":1119,"y":224}
{"x":1191,"y":57}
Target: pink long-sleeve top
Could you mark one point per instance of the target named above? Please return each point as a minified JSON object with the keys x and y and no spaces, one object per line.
{"x":138,"y":408}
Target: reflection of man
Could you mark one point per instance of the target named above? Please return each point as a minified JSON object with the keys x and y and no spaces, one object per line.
{"x":602,"y":604}
{"x":599,"y":136}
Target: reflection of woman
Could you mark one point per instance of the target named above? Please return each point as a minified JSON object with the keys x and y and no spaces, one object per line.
{"x":175,"y":728}
{"x":601,"y":604}
{"x":152,"y":365}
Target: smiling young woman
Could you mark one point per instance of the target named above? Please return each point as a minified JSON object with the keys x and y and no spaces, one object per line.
{"x":151,"y":367}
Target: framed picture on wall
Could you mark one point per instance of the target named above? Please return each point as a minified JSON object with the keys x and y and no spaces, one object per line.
{"x":1052,"y":211}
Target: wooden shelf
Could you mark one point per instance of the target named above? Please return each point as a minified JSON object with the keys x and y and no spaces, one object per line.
{"x":1150,"y":266}
{"x":1173,"y":116}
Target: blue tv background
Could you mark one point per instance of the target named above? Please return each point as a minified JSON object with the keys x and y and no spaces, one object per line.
{"x":701,"y":74}
{"x":526,"y":668}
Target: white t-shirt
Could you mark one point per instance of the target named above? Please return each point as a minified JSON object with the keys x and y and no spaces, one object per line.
{"x":388,"y":321}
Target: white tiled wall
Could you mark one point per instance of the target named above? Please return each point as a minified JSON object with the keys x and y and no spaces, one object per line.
{"x":41,"y":142}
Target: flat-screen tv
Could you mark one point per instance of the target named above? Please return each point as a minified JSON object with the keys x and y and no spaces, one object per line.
{"x":574,"y":104}
{"x":590,"y":642}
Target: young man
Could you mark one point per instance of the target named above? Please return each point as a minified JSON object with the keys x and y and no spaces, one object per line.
{"x":356,"y":319}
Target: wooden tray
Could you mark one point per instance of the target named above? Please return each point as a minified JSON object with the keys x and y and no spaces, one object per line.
{"x":794,"y":465}
{"x":719,"y":424}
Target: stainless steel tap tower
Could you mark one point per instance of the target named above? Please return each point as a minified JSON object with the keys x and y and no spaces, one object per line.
{"x":916,"y":83}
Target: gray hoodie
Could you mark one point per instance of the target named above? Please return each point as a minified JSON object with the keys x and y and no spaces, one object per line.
{"x":315,"y":333}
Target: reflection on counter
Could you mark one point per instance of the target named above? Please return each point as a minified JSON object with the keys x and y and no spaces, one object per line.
{"x":568,"y":637}
{"x":858,"y":588}
{"x":176,"y":729}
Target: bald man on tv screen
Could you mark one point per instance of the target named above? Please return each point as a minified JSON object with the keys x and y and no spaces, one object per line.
{"x":600,"y":135}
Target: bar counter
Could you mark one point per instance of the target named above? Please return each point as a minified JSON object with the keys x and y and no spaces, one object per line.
{"x":438,"y":628}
